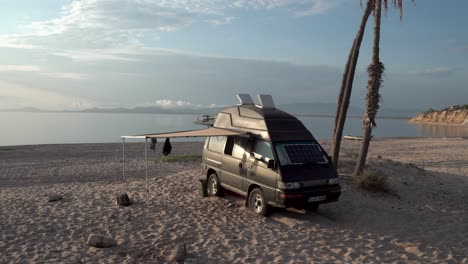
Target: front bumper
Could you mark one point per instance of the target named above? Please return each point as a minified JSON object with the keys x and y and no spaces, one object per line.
{"x":300,"y":198}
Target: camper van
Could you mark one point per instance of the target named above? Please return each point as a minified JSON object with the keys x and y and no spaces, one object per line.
{"x":273,"y":160}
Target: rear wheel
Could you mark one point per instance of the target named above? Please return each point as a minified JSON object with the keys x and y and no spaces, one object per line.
{"x":214,"y":188}
{"x":313,"y":207}
{"x":257,"y":202}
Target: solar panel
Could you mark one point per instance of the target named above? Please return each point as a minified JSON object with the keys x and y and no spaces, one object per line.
{"x":301,"y":153}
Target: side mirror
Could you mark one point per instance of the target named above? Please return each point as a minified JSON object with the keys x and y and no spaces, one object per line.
{"x":257,"y":156}
{"x":271,"y":164}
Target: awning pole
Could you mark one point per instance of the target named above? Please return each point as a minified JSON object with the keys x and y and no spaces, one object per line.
{"x":123,"y":159}
{"x":146,"y":158}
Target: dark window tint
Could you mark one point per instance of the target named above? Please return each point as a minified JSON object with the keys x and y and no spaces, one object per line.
{"x":235,"y":147}
{"x":262,"y":150}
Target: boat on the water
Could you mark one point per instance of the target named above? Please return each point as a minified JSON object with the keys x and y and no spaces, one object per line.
{"x":205,"y":120}
{"x":352,"y":137}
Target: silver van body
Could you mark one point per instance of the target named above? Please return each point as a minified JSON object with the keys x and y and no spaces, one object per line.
{"x":277,"y":158}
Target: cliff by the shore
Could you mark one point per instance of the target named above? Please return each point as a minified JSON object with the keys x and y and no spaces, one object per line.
{"x":451,"y":115}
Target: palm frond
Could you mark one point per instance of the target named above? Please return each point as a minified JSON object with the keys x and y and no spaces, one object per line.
{"x":397,"y":4}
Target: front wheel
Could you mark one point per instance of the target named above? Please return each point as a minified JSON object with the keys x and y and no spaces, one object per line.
{"x":313,"y":208}
{"x":214,"y":188}
{"x":257,"y":202}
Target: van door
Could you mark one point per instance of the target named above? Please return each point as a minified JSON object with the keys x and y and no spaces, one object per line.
{"x":233,"y":164}
{"x":258,"y":171}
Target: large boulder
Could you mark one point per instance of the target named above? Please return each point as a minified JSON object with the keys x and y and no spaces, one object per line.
{"x":101,"y":241}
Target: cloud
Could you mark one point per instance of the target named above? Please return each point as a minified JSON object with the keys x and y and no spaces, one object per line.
{"x":180,"y":104}
{"x":222,"y":21}
{"x":38,"y":70}
{"x":14,"y":95}
{"x":173,"y":104}
{"x":21,"y":68}
{"x":434,"y":71}
{"x":456,"y":45}
{"x":65,"y":75}
{"x":96,"y":24}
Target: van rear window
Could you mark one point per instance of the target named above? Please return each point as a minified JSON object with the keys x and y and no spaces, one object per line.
{"x":298,"y":153}
{"x":216,"y":144}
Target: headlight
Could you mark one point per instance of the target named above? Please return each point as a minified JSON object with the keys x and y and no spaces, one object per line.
{"x":333,"y":181}
{"x":288,"y":185}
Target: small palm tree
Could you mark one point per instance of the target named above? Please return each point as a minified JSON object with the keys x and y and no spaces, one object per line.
{"x":374,"y":83}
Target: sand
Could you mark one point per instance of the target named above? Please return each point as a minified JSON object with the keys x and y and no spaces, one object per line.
{"x":424,"y":221}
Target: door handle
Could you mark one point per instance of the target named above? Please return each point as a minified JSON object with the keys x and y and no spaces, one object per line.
{"x":240,"y":164}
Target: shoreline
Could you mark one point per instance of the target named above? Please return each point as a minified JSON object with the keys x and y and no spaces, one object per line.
{"x":424,"y":223}
{"x":203,"y":140}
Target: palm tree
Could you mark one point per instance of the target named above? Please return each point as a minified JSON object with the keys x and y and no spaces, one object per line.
{"x":348,"y":75}
{"x":347,"y":84}
{"x":374,"y":83}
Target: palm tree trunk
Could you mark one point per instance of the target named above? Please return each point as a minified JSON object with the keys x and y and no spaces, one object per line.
{"x":343,"y":85}
{"x":348,"y":78}
{"x":375,"y":69}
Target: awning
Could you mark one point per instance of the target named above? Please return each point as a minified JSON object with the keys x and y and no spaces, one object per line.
{"x":207,"y":132}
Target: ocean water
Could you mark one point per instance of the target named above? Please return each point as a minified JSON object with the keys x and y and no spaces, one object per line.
{"x":26,"y":128}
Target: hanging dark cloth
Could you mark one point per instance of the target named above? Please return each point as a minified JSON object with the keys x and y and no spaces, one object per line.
{"x":167,"y":147}
{"x":153,"y":144}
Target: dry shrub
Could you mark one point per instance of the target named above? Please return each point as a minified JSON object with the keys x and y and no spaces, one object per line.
{"x":374,"y":181}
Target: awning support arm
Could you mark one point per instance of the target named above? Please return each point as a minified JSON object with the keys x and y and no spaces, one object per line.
{"x":146,"y":166}
{"x":123,"y":159}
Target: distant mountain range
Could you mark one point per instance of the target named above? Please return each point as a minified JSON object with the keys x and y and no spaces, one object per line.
{"x":313,"y":109}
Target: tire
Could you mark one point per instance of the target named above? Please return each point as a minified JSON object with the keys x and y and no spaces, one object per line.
{"x":257,"y":202}
{"x":313,"y":207}
{"x":213,"y":185}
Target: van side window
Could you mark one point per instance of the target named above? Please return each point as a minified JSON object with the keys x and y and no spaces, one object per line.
{"x":235,"y":147}
{"x":216,"y":144}
{"x":262,"y":151}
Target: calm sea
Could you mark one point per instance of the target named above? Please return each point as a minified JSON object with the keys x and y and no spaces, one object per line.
{"x":25,"y":128}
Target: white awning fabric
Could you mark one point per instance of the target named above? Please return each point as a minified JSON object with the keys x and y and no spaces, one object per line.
{"x":208,"y":132}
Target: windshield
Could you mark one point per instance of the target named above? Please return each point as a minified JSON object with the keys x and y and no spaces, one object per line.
{"x":299,"y":153}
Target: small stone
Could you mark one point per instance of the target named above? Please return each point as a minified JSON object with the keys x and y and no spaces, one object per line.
{"x":191,"y":261}
{"x":229,"y":205}
{"x":124,"y":200}
{"x":179,"y":253}
{"x":379,"y":157}
{"x":101,"y":241}
{"x":55,"y":197}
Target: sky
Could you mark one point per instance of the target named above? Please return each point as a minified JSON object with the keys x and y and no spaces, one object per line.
{"x":78,"y":54}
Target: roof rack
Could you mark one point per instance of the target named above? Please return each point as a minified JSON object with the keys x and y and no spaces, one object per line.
{"x":266,"y":101}
{"x":245,"y":99}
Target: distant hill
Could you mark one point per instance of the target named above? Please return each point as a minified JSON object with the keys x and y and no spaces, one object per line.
{"x":457,"y":114}
{"x":315,"y":109}
{"x":153,"y":110}
{"x":24,"y":109}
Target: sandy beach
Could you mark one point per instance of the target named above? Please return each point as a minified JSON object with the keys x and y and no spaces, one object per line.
{"x":425,"y":220}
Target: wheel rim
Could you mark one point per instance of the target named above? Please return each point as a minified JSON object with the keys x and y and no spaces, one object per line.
{"x":257,"y":203}
{"x":214,"y":186}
